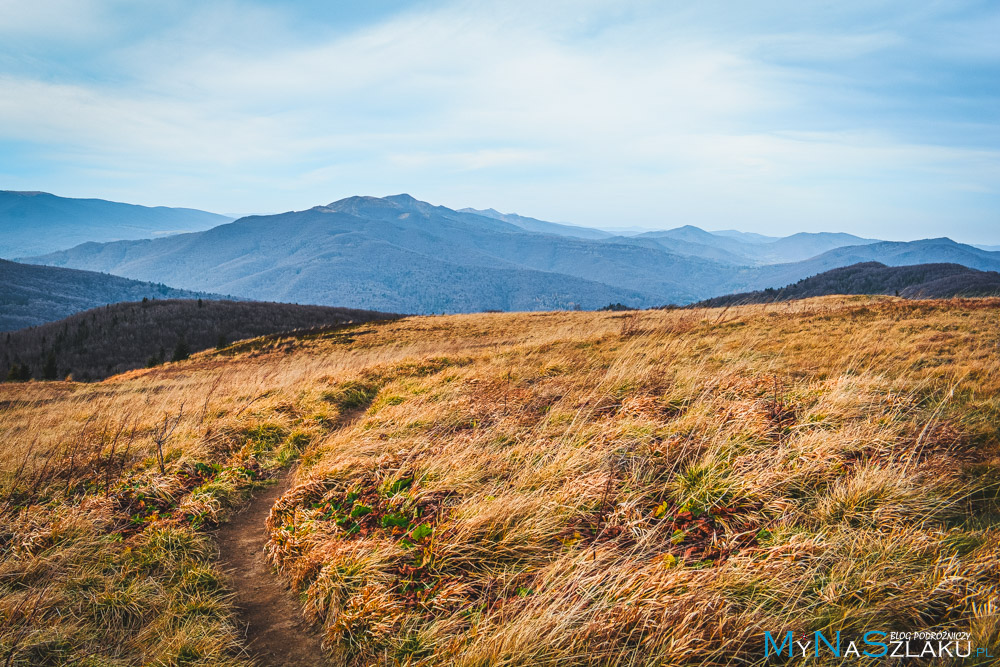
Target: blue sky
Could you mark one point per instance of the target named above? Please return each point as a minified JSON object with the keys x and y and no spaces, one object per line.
{"x":876,"y":118}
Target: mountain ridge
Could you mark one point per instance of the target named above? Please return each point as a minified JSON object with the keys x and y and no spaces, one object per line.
{"x":34,"y":222}
{"x":423,"y":239}
{"x":400,"y":254}
{"x":541,"y":226}
{"x":891,"y":253}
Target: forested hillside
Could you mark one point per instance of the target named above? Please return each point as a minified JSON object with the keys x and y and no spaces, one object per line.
{"x":104,"y":341}
{"x":921,"y":281}
{"x":31,"y":295}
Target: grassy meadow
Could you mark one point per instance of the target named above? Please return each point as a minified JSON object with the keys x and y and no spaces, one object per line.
{"x":569,"y":488}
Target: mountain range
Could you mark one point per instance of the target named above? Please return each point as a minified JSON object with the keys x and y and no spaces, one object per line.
{"x":921,"y":281}
{"x":748,"y":250}
{"x":33,"y":223}
{"x":890,"y":253}
{"x":400,"y":254}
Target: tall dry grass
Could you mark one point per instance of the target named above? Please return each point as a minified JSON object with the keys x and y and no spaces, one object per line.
{"x":552,"y":488}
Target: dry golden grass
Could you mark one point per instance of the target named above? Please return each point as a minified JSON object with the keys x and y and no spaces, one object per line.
{"x":555,"y":488}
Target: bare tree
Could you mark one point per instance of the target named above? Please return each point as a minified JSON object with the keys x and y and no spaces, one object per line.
{"x":163,"y":433}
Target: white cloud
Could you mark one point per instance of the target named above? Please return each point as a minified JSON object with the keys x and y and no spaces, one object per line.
{"x":51,"y":19}
{"x":573,"y":110}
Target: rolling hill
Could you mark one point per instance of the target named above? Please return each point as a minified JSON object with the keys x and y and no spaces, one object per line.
{"x":116,"y":338}
{"x":33,"y":223}
{"x":31,"y":295}
{"x":922,"y":281}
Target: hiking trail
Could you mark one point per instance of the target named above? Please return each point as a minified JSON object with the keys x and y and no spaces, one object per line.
{"x":276,"y":632}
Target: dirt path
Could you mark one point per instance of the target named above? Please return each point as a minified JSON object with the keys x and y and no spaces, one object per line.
{"x":276,"y":632}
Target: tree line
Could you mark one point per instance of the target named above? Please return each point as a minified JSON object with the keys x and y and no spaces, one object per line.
{"x":101,"y":342}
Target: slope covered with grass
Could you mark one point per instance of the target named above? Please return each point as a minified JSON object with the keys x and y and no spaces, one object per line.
{"x":558,"y":488}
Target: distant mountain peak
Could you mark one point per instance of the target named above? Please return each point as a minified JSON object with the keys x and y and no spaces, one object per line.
{"x":831,"y":235}
{"x":367,"y":202}
{"x":685,"y":232}
{"x":404,"y":198}
{"x":352,"y":201}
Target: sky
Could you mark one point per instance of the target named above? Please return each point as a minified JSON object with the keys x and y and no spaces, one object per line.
{"x":879,"y":118}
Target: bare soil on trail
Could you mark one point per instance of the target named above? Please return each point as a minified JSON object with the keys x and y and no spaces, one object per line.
{"x":276,"y":632}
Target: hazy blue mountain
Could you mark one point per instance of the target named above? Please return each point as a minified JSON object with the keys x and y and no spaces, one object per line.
{"x":922,"y":281}
{"x":689,"y":248}
{"x":756,"y":249}
{"x":31,"y":295}
{"x":626,"y":230}
{"x":990,"y":248}
{"x":399,"y":254}
{"x":890,"y":253}
{"x":900,"y":253}
{"x":541,"y":226}
{"x":692,"y":234}
{"x":808,"y":244}
{"x":34,"y":223}
{"x":748,"y":237}
{"x":403,"y":255}
{"x":742,"y":251}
